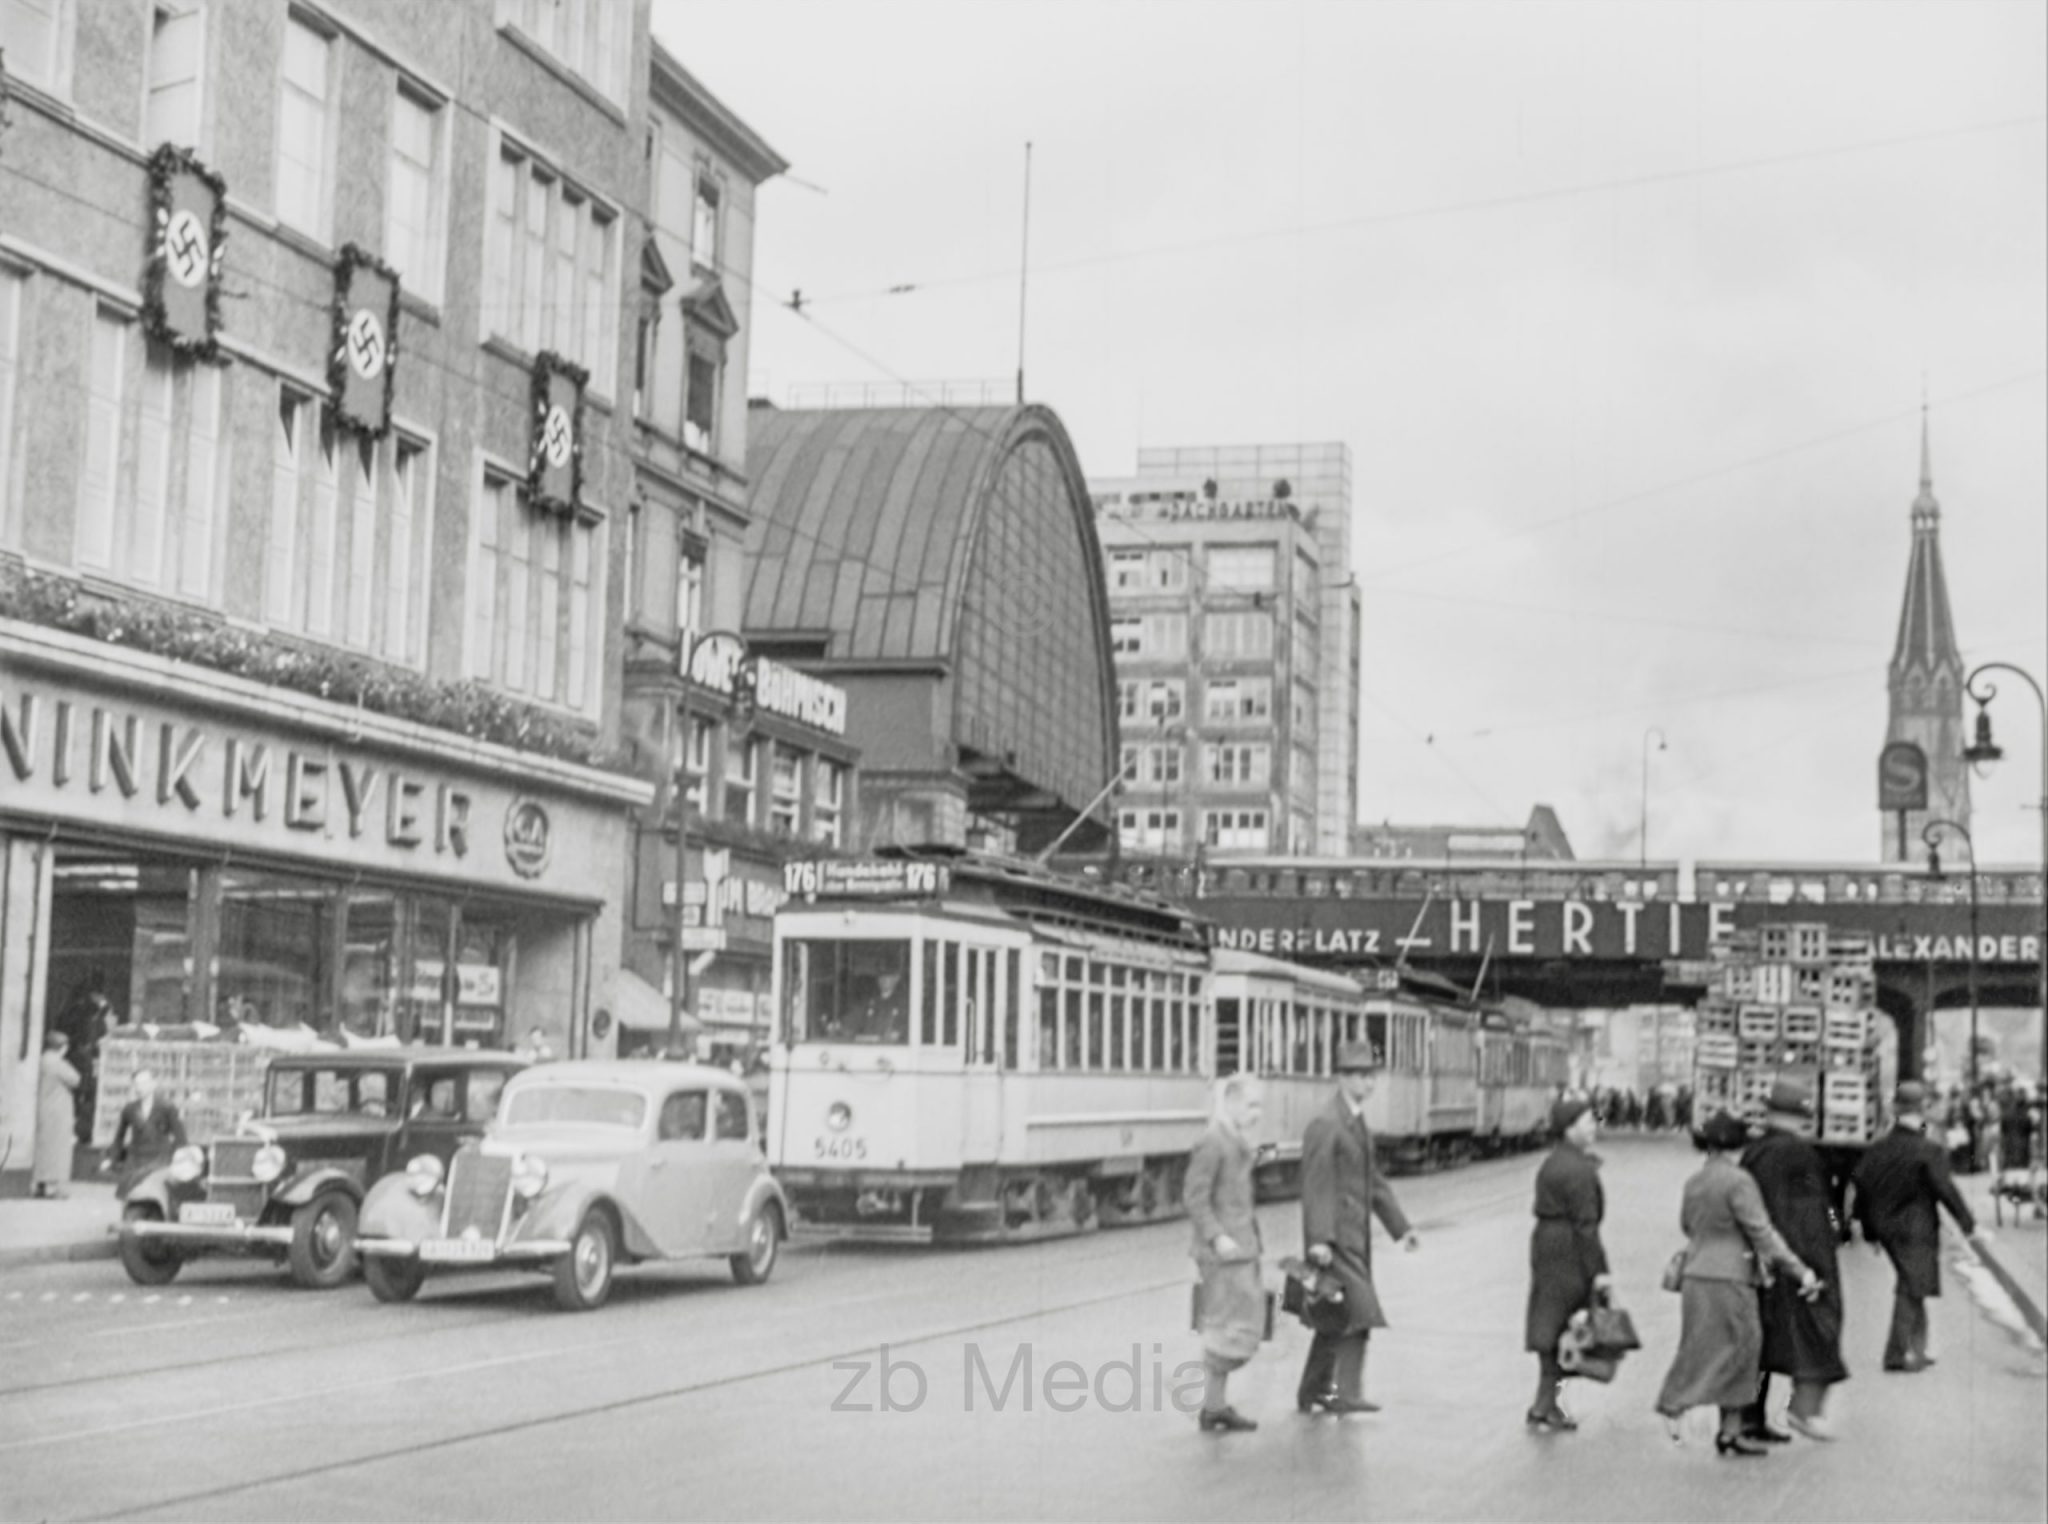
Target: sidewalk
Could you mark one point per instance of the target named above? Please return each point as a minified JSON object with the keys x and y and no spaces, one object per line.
{"x":78,"y":1227}
{"x":2018,"y":1252}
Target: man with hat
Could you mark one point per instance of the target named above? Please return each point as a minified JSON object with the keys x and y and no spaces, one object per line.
{"x":1902,"y":1178}
{"x":1802,"y":1336}
{"x":1341,"y":1192}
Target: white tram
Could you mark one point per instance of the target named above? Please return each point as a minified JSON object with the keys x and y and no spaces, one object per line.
{"x":1522,"y":1069}
{"x":977,"y":1048}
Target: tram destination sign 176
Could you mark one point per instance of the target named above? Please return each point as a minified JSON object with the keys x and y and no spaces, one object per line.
{"x":864,"y":878}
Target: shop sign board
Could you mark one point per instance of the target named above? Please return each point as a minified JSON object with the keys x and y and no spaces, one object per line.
{"x":864,"y":877}
{"x":1206,"y":508}
{"x":703,"y":939}
{"x":720,"y":662}
{"x":1902,"y":777}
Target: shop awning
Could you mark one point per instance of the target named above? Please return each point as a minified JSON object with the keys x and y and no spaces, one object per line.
{"x":643,"y":1008}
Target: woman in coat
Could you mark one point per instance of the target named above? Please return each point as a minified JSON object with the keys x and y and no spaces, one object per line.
{"x":56,"y":1117}
{"x":1728,"y":1238}
{"x":1219,"y":1199}
{"x":1567,"y":1264}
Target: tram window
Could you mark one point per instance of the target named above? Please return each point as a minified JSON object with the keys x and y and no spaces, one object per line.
{"x":1119,"y":1029}
{"x":1298,"y":1022}
{"x":1376,"y":1034}
{"x":1048,"y":1027}
{"x":1097,"y":1020}
{"x":1156,"y":1051}
{"x":930,"y":1026}
{"x":1070,"y":1040}
{"x":1013,"y":1012}
{"x":848,"y":991}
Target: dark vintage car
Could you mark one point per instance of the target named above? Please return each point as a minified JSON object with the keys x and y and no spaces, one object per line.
{"x":586,"y":1167}
{"x":289,"y":1182}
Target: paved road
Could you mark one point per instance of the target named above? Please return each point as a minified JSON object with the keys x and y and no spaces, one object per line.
{"x":690,"y":1398}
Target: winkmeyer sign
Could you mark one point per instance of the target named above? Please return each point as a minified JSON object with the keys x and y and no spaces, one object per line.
{"x":1370,"y":930}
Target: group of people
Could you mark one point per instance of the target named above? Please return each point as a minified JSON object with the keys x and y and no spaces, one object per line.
{"x":1665,"y":1107}
{"x":1757,"y":1274}
{"x":1991,"y":1125}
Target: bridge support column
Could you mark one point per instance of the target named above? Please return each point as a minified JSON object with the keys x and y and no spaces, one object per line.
{"x":1911,"y":1010}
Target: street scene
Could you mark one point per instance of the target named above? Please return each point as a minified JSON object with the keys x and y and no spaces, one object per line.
{"x":1154,"y":759}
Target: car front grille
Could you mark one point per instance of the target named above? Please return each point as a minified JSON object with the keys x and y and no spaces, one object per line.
{"x":477,"y":1186}
{"x":228,"y":1176}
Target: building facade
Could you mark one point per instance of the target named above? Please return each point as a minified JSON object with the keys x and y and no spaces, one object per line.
{"x":1925,"y":684}
{"x":315,"y":376}
{"x":1236,"y":622}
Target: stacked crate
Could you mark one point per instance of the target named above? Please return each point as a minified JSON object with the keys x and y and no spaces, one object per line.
{"x":211,"y":1083}
{"x":1792,"y":1002}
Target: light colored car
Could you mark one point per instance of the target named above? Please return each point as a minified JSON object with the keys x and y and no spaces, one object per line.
{"x":588,"y":1166}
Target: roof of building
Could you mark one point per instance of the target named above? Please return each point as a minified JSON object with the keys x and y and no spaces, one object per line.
{"x":1927,"y":635}
{"x":1542,"y":838}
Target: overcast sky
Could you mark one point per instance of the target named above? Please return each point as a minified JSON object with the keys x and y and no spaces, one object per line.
{"x":1624,"y":311}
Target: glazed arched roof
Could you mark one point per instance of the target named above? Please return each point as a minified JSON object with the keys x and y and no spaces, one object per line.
{"x":961,"y":537}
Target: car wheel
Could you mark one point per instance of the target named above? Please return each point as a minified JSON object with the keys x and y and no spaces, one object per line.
{"x":148,"y":1264}
{"x":583,"y":1276}
{"x":323,"y":1246}
{"x":391,"y":1278}
{"x":756,"y":1262}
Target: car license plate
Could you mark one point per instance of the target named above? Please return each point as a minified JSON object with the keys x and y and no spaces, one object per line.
{"x":207,"y":1213}
{"x":458,"y":1250}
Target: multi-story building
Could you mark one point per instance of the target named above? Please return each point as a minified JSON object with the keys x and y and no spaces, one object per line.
{"x":315,"y":384}
{"x":743,"y":789}
{"x":1235,"y":624}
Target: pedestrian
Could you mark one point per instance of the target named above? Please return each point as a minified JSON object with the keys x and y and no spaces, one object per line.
{"x":1220,"y":1199}
{"x":1341,"y":1192}
{"x":56,"y":1118}
{"x":149,"y":1132}
{"x":1903,"y":1177}
{"x":538,"y":1049}
{"x":2016,"y":1129}
{"x":1567,"y":1263}
{"x":1802,"y":1337}
{"x":1729,"y":1240}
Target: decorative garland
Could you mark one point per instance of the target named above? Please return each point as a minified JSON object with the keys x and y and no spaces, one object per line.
{"x":354,"y":257}
{"x":548,"y":364}
{"x":467,"y":708}
{"x":169,"y":160}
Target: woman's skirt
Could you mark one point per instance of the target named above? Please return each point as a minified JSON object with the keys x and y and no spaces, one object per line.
{"x":1720,"y":1340}
{"x":1233,"y":1310}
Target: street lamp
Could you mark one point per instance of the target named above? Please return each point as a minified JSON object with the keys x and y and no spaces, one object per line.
{"x":1644,"y":835}
{"x":717,"y":660}
{"x":1985,"y":750}
{"x":1931,"y":834}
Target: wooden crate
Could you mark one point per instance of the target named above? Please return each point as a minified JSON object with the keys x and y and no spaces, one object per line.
{"x":1758,"y":1023}
{"x":1774,"y":983}
{"x":1715,"y":1052}
{"x":1802,"y":1024}
{"x":211,"y":1083}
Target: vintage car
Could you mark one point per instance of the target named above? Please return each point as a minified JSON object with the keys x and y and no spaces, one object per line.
{"x":289,"y":1181}
{"x":588,"y":1166}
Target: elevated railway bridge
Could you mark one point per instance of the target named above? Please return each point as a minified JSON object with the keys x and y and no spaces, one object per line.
{"x":1575,"y":934}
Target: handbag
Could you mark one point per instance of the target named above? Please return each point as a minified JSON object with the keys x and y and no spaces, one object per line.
{"x":1577,"y":1354}
{"x":1611,"y":1331}
{"x":1315,"y":1296}
{"x":1674,"y":1272}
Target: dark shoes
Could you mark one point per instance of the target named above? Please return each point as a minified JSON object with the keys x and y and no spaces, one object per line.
{"x":1225,"y":1420}
{"x":1737,"y":1444}
{"x":1765,"y":1434}
{"x":1910,"y":1366}
{"x":1556,"y":1420}
{"x":1329,"y":1402}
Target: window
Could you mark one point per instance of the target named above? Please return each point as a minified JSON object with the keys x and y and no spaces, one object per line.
{"x":33,"y":34}
{"x":731,"y":1117}
{"x":349,"y":524}
{"x":828,"y":802}
{"x":1149,"y":828}
{"x":1236,"y":700}
{"x":689,"y":596}
{"x":412,"y":215}
{"x":1237,"y":635}
{"x":1234,"y":764}
{"x":177,"y":52}
{"x":533,"y":598}
{"x":550,"y":263}
{"x":704,"y":221}
{"x":1169,"y":571}
{"x":102,"y":439}
{"x":1235,"y":828}
{"x":303,"y":151}
{"x":1126,"y":571}
{"x":741,"y":761}
{"x":1152,"y":764}
{"x":592,"y":38}
{"x":697,"y":765}
{"x":1240,"y":568}
{"x":11,"y":306}
{"x":682,"y":1118}
{"x":700,"y":400}
{"x":1304,"y":707}
{"x":1160,"y":700}
{"x":1156,"y":636}
{"x":785,"y":797}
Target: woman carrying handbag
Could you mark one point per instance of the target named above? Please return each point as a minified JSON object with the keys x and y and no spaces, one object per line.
{"x":1567,"y":1263}
{"x":1219,"y":1199}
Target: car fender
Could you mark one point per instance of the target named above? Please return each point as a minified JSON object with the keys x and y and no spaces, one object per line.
{"x":556,"y":1213}
{"x":154,"y":1189}
{"x":391,"y":1210}
{"x":305,"y":1187}
{"x":764,"y":1189}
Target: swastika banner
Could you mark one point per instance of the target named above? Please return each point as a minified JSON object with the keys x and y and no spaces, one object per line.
{"x":362,"y":367}
{"x":555,"y":481}
{"x":181,"y":303}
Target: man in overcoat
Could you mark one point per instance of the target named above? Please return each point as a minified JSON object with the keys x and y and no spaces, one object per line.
{"x":1802,"y":1336}
{"x":1341,"y":1192}
{"x":149,"y":1132}
{"x":1903,"y":1177}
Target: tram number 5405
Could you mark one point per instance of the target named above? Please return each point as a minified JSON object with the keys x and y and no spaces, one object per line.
{"x":839,"y":1148}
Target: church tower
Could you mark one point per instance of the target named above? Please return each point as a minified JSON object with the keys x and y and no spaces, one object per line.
{"x":1927,"y":680}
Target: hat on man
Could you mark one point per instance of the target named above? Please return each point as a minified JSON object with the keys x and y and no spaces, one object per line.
{"x":1356,"y":1058}
{"x":1911,"y":1096}
{"x":1567,"y":1111}
{"x":1789,"y":1098}
{"x":1721,"y":1131}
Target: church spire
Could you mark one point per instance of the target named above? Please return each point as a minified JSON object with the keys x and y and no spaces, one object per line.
{"x":1925,"y":503}
{"x":1927,"y":636}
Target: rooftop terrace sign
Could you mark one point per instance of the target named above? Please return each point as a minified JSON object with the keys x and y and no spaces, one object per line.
{"x":1205,"y":508}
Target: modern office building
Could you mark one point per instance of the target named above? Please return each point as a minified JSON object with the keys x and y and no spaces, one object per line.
{"x":1235,"y":620}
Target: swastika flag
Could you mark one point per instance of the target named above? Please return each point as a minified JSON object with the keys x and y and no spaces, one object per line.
{"x":556,"y":479}
{"x":365,"y":341}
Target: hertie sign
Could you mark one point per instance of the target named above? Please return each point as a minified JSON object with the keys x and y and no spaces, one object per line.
{"x":181,"y":295}
{"x":555,"y":466}
{"x":361,"y":367}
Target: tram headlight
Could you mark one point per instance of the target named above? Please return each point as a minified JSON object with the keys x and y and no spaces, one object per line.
{"x":268,"y":1164}
{"x":839,"y":1116}
{"x":188,"y":1163}
{"x":529,"y":1176}
{"x":423,"y":1174}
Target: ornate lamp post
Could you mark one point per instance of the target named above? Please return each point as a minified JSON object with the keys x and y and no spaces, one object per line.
{"x":1644,"y":835}
{"x":1984,"y":750}
{"x":1931,"y":834}
{"x":719,"y":661}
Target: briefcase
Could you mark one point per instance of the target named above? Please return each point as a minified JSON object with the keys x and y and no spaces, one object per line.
{"x":1315,"y":1296}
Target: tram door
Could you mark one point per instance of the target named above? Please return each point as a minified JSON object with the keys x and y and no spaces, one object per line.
{"x":985,"y":1001}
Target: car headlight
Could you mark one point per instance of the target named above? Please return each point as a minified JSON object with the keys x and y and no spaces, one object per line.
{"x":268,"y":1163}
{"x":529,"y":1176}
{"x":839,"y":1116}
{"x":423,"y":1174}
{"x":188,"y":1163}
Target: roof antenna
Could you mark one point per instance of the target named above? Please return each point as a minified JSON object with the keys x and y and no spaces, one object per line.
{"x":1024,"y":275}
